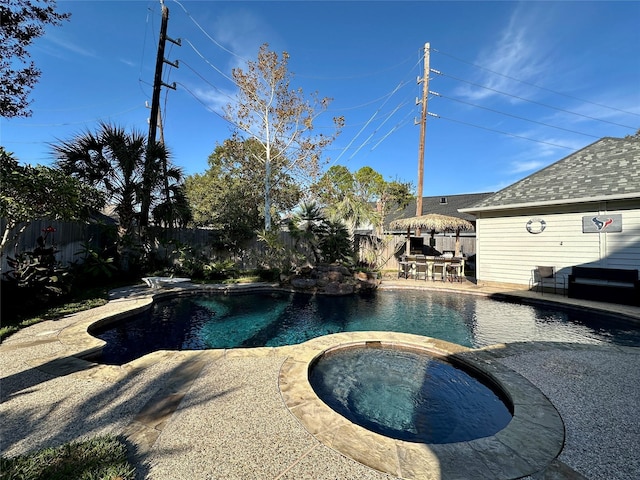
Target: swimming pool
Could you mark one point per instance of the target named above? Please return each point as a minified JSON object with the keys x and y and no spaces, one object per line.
{"x":210,"y":321}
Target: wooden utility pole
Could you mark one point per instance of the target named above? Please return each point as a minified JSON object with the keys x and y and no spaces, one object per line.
{"x":423,"y":129}
{"x":155,"y":114}
{"x":157,"y":79}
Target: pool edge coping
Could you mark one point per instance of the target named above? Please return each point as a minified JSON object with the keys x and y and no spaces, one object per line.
{"x":529,"y":443}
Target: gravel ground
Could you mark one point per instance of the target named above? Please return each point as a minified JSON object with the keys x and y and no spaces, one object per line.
{"x":39,"y":409}
{"x":597,"y":392}
{"x":233,"y":424}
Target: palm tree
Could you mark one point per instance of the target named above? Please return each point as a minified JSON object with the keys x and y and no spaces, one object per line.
{"x":354,"y":212}
{"x":113,"y":161}
{"x":174,"y":211}
{"x":110,"y":161}
{"x":308,"y":226}
{"x":336,"y":244}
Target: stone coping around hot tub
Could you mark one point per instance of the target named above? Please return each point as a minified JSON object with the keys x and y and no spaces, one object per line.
{"x":529,"y":443}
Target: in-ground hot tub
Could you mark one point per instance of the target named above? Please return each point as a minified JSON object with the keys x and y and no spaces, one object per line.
{"x":408,"y":394}
{"x":528,"y":443}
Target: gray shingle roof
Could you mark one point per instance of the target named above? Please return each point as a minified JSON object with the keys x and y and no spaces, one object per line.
{"x":608,"y":168}
{"x":449,"y":207}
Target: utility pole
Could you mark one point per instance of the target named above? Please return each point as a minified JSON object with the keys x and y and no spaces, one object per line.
{"x":155,"y":114}
{"x":423,"y":129}
{"x":157,"y":79}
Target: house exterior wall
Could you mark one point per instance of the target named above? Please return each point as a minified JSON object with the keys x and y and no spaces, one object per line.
{"x":507,"y":252}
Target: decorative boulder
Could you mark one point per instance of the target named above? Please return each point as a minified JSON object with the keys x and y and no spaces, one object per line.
{"x":331,"y":280}
{"x":303,"y":283}
{"x":335,"y":288}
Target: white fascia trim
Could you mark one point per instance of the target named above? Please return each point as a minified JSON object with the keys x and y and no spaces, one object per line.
{"x":545,"y":203}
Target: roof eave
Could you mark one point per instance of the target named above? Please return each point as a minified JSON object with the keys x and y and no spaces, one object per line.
{"x":545,"y":203}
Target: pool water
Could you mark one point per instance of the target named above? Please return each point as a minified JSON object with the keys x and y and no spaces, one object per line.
{"x":208,"y":321}
{"x":407,"y":395}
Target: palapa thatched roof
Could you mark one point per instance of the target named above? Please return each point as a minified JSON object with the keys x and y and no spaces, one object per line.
{"x":433,"y":221}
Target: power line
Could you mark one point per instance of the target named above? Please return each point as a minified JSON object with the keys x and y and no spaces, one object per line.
{"x":215,"y":42}
{"x":438,"y":72}
{"x":144,"y":47}
{"x":205,"y":59}
{"x":207,"y":107}
{"x":396,"y":127}
{"x":64,"y":124}
{"x":199,"y":26}
{"x":366,"y":104}
{"x":386,"y":99}
{"x":511,"y":115}
{"x":368,"y":122}
{"x":388,"y":117}
{"x":536,"y":86}
{"x":204,"y":79}
{"x":209,"y":63}
{"x":498,"y":131}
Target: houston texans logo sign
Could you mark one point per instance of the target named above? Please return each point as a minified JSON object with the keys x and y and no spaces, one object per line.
{"x":600,"y":225}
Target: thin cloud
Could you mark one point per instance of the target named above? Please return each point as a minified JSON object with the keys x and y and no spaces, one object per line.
{"x":128,"y":63}
{"x":496,"y":187}
{"x":213,"y":99}
{"x":519,"y":52}
{"x":624,"y":110}
{"x":63,"y":45}
{"x":533,"y":156}
{"x":243,"y":32}
{"x":526,"y":166}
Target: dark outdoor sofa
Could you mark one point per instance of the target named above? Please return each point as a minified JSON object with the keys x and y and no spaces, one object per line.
{"x":613,"y":285}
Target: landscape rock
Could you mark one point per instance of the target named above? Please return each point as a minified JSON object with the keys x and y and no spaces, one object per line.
{"x":331,"y":280}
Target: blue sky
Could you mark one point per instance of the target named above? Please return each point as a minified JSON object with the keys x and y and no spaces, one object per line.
{"x":521,"y":84}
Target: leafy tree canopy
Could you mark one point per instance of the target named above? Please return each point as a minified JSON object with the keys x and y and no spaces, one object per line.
{"x":30,"y":193}
{"x":21,"y":22}
{"x":362,"y":197}
{"x":228,"y":196}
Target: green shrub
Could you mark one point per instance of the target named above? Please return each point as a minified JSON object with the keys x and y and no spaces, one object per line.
{"x":219,"y":270}
{"x":100,"y":458}
{"x":268,"y":274}
{"x":95,"y":266}
{"x":36,"y":275}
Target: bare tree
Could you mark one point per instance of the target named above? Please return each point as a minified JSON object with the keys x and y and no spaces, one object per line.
{"x":280,"y":119}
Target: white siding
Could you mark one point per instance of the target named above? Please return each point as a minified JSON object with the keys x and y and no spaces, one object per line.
{"x":507,"y":252}
{"x":623,"y":249}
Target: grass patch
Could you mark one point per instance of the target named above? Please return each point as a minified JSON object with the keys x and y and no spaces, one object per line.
{"x":13,"y":321}
{"x":251,"y":279}
{"x":229,"y":281}
{"x":100,"y":458}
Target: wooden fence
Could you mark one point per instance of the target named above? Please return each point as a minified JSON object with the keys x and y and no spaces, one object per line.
{"x":70,"y":239}
{"x":203,"y":243}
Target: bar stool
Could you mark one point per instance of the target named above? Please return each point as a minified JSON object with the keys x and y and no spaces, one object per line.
{"x":439,"y":266}
{"x":454,"y":270}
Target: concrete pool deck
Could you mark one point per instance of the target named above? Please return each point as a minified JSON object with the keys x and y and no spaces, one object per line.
{"x":222,"y":414}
